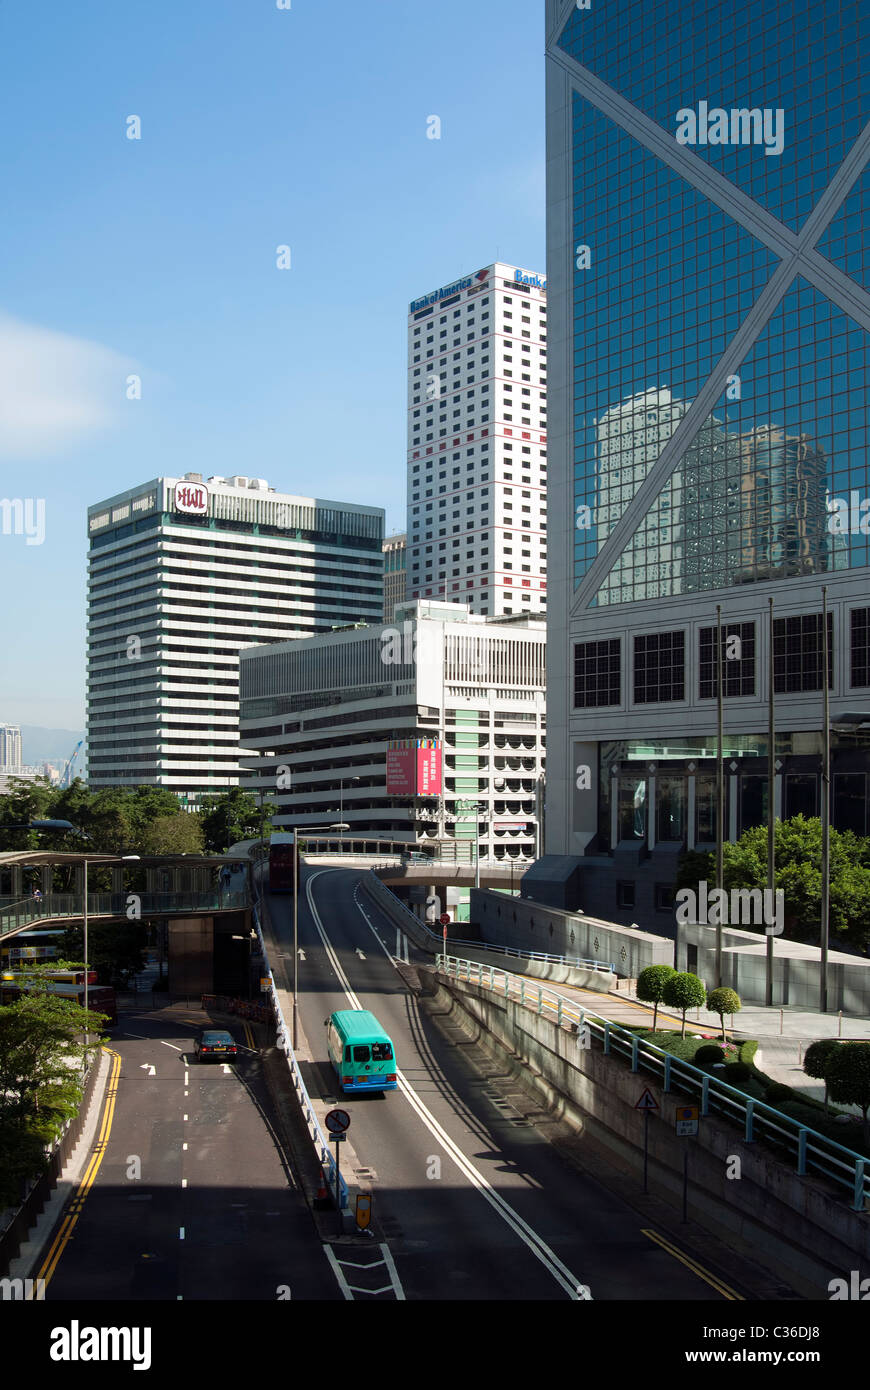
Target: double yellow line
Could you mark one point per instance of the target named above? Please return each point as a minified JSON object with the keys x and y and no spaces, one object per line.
{"x":74,"y":1210}
{"x":724,"y":1289}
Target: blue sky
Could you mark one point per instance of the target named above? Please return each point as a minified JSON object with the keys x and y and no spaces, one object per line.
{"x":260,"y":127}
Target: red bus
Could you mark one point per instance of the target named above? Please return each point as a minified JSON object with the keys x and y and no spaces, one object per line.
{"x":282,"y":850}
{"x":101,"y":998}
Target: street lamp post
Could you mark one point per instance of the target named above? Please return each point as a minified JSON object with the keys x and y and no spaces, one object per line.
{"x":826,"y":813}
{"x":308,"y":828}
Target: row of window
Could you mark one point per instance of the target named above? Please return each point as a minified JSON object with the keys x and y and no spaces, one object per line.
{"x":659,"y":674}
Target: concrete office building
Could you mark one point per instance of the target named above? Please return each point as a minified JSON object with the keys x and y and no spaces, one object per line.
{"x":395,"y":570}
{"x":477,"y":442}
{"x":331,"y":708}
{"x":709,"y":359}
{"x":10,"y":748}
{"x":183,"y":574}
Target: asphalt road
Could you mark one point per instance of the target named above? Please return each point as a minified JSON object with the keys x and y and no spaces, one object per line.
{"x":474,"y":1201}
{"x":215,"y":1213}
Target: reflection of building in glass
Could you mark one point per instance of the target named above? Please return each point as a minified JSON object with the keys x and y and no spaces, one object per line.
{"x":784,"y":522}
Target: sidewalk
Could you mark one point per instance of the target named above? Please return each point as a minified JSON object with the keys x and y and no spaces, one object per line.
{"x":783,"y":1034}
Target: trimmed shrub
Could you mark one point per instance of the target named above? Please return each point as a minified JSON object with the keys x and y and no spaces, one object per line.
{"x":736,"y":1072}
{"x":709,"y":1054}
{"x":651,"y":985}
{"x":776,"y":1093}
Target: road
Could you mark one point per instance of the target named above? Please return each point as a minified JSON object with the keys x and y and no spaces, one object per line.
{"x":214,"y":1212}
{"x":474,"y":1201}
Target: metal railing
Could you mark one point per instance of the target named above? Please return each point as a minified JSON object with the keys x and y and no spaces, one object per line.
{"x":318,"y":1138}
{"x":16,"y":914}
{"x":435,"y":941}
{"x":806,"y":1146}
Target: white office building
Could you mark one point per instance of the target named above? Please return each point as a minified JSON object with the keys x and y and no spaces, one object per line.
{"x":477,"y":442}
{"x":331,"y":710}
{"x":183,"y":574}
{"x":10,"y":748}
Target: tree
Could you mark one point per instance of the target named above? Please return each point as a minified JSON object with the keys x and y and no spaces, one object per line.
{"x":798,"y":873}
{"x":180,"y":833}
{"x":116,"y":950}
{"x":816,"y":1060}
{"x":847,"y":1074}
{"x":41,"y":1057}
{"x":723,"y":1001}
{"x":684,"y":991}
{"x":231,"y":817}
{"x":651,"y":984}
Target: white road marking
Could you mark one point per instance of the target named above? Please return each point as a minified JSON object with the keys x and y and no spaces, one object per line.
{"x":172,"y":1045}
{"x":342,"y":1282}
{"x":183,"y":1147}
{"x":140,"y":1036}
{"x":184,"y":1117}
{"x":539,"y":1248}
{"x":181,"y":1233}
{"x":184,"y":1180}
{"x":146,"y":1066}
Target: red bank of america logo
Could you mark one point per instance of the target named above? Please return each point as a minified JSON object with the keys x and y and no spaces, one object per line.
{"x":191,"y":498}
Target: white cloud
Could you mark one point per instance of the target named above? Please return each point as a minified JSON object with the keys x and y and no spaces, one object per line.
{"x":55,"y":389}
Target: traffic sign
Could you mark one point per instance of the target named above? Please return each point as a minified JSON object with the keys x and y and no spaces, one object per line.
{"x":337,"y":1121}
{"x":444,"y":919}
{"x":647,"y":1101}
{"x":687,"y":1120}
{"x":363,"y":1210}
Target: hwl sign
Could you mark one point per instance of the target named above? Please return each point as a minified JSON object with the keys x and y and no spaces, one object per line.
{"x":191,"y":498}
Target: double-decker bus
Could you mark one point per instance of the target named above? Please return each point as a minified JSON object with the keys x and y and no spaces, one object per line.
{"x":281,"y":863}
{"x":64,"y":984}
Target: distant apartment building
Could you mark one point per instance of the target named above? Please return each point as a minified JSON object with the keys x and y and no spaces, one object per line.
{"x":184,"y":573}
{"x":11,"y":760}
{"x":429,"y":727}
{"x":395,"y":561}
{"x":477,"y":442}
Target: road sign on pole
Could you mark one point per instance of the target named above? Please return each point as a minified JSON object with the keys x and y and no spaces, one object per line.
{"x":647,"y":1104}
{"x":647,"y":1101}
{"x":363,"y":1210}
{"x":687,"y":1120}
{"x":337,"y":1121}
{"x":445,"y":919}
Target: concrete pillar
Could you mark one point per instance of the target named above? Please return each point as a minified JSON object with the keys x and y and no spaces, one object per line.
{"x":651,"y":810}
{"x":117,"y":878}
{"x":614,"y":808}
{"x":690,"y":812}
{"x":46,"y":878}
{"x":732,"y":815}
{"x":17,"y":889}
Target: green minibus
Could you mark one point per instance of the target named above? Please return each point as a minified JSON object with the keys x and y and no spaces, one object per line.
{"x":361,"y":1052}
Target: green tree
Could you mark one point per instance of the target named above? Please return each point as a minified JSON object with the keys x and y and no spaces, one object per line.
{"x":41,"y":1059}
{"x":816,"y":1060}
{"x":231,"y":817}
{"x":651,"y":984}
{"x":116,"y":949}
{"x":180,"y":833}
{"x":684,"y":991}
{"x":798,"y":873}
{"x":847,"y":1074}
{"x":723,"y":1001}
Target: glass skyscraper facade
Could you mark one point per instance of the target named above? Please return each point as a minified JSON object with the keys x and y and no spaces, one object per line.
{"x":708,"y":388}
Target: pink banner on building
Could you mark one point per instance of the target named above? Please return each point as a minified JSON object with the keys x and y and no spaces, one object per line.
{"x":429,"y":771}
{"x":400,"y":771}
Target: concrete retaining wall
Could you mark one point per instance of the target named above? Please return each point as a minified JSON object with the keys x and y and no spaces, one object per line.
{"x":806,"y":1230}
{"x":530,"y":926}
{"x":583,"y":977}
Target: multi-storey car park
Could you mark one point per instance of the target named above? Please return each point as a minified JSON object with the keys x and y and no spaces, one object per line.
{"x":327,"y":709}
{"x":477,"y":442}
{"x":183,"y":574}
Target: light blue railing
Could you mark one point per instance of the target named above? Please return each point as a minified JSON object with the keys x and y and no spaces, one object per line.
{"x":318,"y":1138}
{"x":435,"y":940}
{"x":16,"y":914}
{"x":759,"y":1121}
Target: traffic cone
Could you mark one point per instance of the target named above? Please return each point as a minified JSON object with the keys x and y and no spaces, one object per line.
{"x":323,"y":1200}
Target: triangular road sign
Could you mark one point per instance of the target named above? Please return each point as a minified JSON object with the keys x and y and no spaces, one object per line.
{"x":647,"y":1101}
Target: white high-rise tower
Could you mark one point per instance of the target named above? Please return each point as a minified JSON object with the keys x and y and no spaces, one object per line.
{"x":477,"y":442}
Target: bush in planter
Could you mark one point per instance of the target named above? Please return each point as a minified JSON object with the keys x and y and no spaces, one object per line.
{"x":709,"y":1054}
{"x":736,"y":1072}
{"x":777,"y":1093}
